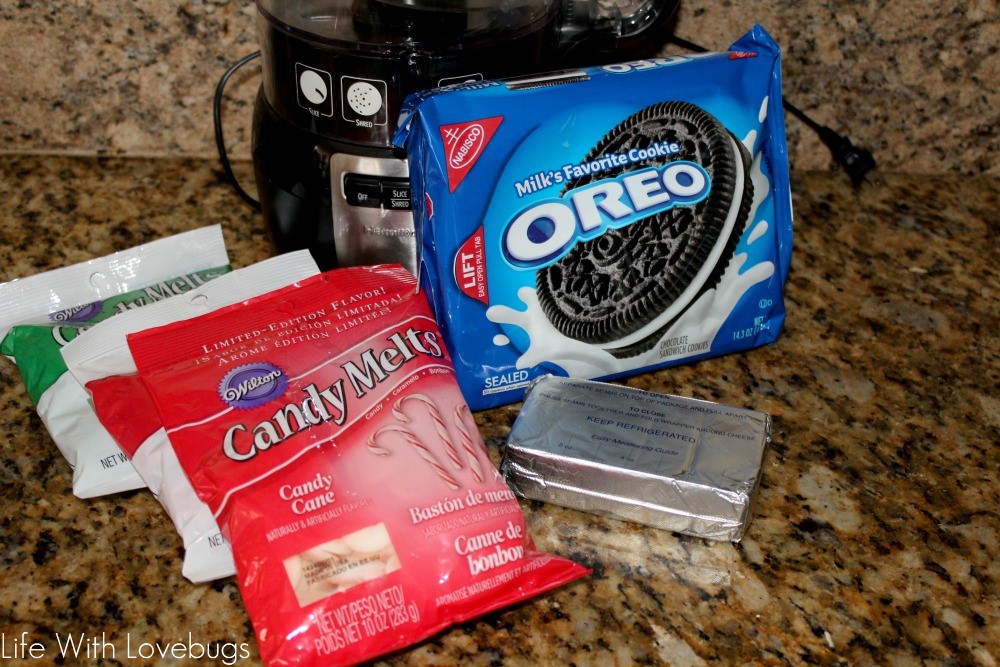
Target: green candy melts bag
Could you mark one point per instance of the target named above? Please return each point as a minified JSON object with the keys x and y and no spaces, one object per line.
{"x":41,"y":313}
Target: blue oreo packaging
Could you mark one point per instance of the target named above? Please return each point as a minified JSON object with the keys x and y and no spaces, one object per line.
{"x":603,"y":222}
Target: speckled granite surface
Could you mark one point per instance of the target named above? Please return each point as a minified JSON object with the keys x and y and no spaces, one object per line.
{"x":915,"y":83}
{"x":875,"y":533}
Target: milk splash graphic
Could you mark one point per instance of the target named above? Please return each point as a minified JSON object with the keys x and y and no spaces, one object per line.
{"x":699,"y":324}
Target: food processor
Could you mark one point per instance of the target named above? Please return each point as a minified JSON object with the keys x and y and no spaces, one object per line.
{"x":335,"y":73}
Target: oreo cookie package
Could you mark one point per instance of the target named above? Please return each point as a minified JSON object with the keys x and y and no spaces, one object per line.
{"x":605,"y":221}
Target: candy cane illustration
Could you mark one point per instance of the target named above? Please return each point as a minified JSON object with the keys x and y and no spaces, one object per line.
{"x":467,"y":444}
{"x":373,"y":447}
{"x":432,"y":409}
{"x":425,"y":453}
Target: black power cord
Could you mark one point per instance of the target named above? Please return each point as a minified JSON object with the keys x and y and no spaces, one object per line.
{"x":855,"y":160}
{"x":220,"y":144}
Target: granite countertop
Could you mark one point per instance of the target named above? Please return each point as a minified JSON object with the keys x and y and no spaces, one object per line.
{"x":915,"y":83}
{"x":874,"y":536}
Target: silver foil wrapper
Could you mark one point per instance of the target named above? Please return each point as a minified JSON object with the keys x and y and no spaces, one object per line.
{"x":675,"y":463}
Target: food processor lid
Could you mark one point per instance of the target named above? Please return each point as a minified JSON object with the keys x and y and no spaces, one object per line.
{"x":380,"y":23}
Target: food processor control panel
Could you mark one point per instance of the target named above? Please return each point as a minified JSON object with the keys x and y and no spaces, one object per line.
{"x":371,"y":211}
{"x":369,"y":191}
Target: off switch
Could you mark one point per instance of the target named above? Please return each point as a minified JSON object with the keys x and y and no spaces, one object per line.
{"x":363,"y":190}
{"x":376,"y":192}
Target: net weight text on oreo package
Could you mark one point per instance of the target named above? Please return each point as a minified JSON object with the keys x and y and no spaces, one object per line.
{"x":606,"y":221}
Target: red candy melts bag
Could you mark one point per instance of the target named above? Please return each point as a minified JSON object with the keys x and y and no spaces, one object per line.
{"x":323,"y":426}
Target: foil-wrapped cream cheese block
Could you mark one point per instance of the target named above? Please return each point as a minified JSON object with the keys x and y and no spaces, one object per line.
{"x":670,"y":462}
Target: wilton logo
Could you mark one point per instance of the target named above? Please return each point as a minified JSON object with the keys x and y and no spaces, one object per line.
{"x":77,"y":314}
{"x":252,"y":385}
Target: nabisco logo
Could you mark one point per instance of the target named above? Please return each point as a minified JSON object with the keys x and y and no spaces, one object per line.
{"x":464,"y":143}
{"x":468,"y":142}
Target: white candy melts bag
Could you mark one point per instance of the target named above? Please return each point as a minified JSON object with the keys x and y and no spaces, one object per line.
{"x":102,"y":363}
{"x":324,"y":427}
{"x":41,"y":313}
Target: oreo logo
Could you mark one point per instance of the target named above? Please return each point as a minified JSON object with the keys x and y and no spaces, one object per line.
{"x":545,"y":231}
{"x":252,"y":385}
{"x":77,"y":314}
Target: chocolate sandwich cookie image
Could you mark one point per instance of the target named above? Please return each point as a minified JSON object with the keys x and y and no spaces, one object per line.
{"x":623,"y":289}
